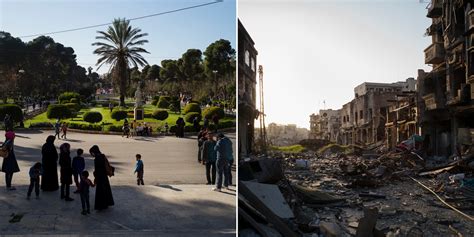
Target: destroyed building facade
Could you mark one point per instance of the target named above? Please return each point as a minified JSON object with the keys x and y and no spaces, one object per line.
{"x":285,"y":134}
{"x":446,"y":93}
{"x":325,"y":125}
{"x":247,"y":55}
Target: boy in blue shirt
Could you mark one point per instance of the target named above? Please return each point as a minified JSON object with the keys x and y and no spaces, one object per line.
{"x":139,"y":169}
{"x":78,"y":165}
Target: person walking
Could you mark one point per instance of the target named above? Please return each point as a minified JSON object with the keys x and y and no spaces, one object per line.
{"x":64,"y":130}
{"x":49,"y":182}
{"x":103,"y":193}
{"x":78,"y":165}
{"x":126,"y":128}
{"x":215,"y":120}
{"x":209,"y":158}
{"x":35,"y":173}
{"x":196,"y":124}
{"x":224,"y":155}
{"x":9,"y":165}
{"x":66,"y":170}
{"x":180,"y":127}
{"x":57,"y":129}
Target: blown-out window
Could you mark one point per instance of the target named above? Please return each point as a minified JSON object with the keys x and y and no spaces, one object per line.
{"x":247,"y":58}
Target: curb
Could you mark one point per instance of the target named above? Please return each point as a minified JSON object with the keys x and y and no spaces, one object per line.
{"x":225,"y":130}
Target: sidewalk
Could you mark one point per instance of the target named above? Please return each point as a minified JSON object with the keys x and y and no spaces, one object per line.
{"x":163,"y":210}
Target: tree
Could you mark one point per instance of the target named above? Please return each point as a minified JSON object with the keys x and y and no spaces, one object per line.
{"x":191,"y":66}
{"x":152,"y":73}
{"x":171,"y":74}
{"x":219,"y":59}
{"x":120,"y":50}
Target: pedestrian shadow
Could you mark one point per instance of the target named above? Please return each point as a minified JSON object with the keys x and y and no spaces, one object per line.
{"x":228,"y":192}
{"x":20,"y":136}
{"x":146,"y":139}
{"x":169,"y":187}
{"x":72,"y":140}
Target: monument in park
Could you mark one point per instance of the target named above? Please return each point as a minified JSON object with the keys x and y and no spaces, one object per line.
{"x":138,"y":111}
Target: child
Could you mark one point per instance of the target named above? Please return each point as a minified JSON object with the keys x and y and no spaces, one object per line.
{"x":84,"y":189}
{"x":78,"y":165}
{"x":64,"y":130}
{"x":57,"y":128}
{"x":35,"y":172}
{"x":139,"y":169}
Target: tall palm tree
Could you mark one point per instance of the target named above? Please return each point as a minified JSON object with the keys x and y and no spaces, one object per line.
{"x":120,"y":50}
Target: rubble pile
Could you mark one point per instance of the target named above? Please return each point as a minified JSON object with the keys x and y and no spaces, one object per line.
{"x":352,"y":194}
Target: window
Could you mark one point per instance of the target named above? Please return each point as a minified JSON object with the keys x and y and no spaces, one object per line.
{"x":252,"y":64}
{"x":247,"y":57}
{"x":361,"y":114}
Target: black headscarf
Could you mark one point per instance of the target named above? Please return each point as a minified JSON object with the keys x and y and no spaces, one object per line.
{"x":50,"y":139}
{"x":95,"y":149}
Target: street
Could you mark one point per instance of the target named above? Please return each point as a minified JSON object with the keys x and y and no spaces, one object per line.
{"x":174,"y":201}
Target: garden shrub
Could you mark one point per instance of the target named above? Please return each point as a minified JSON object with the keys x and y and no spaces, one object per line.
{"x":211,"y":111}
{"x":74,"y":100}
{"x":113,"y":128}
{"x":58,"y":111}
{"x":41,"y":125}
{"x":92,"y":117}
{"x":67,"y":96}
{"x":160,"y":114}
{"x":192,"y":107}
{"x":73,"y":107}
{"x":163,"y":102}
{"x":13,"y":110}
{"x":119,"y":114}
{"x":189,"y":117}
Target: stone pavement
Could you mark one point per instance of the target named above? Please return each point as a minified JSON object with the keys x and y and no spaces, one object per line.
{"x":174,"y":201}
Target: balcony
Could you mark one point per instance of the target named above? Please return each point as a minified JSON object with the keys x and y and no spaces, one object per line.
{"x":435,"y":9}
{"x":470,"y":20}
{"x":434,"y":54}
{"x":430,"y":102}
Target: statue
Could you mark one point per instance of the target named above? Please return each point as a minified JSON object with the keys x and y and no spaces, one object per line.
{"x":138,"y":97}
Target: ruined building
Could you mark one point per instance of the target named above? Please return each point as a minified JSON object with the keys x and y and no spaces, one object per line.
{"x":285,"y":134}
{"x":247,"y":91}
{"x":402,"y":119}
{"x":325,"y":125}
{"x":446,"y":111}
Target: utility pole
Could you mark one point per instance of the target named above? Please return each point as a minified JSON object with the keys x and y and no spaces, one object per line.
{"x":263,"y":132}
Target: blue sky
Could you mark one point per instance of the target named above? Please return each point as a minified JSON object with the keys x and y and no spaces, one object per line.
{"x":321,"y":50}
{"x":169,"y":35}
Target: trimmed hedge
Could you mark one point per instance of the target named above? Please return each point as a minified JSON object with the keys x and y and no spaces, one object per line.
{"x":13,"y":110}
{"x":105,"y":104}
{"x":118,"y":114}
{"x":160,"y":114}
{"x":113,"y":128}
{"x":74,"y":100}
{"x":192,"y":107}
{"x":82,"y":126}
{"x":58,"y":111}
{"x":189,"y":117}
{"x":73,"y":107}
{"x":163,"y":102}
{"x":211,"y":111}
{"x":67,"y":96}
{"x":92,"y":117}
{"x":41,"y":125}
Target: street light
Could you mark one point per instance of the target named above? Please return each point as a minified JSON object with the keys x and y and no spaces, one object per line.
{"x":215,"y":79}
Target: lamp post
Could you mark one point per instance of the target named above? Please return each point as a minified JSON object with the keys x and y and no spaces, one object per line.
{"x":215,"y":81}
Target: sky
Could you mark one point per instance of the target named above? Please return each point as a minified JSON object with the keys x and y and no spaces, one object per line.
{"x":320,"y":50}
{"x":169,"y":35}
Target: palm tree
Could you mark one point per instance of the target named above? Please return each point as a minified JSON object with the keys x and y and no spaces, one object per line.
{"x":120,"y":50}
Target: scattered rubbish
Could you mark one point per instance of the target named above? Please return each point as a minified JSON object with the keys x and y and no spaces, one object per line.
{"x":302,"y":163}
{"x":15,"y":218}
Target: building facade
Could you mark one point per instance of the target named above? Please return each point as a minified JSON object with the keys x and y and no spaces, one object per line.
{"x":246,"y":91}
{"x":325,"y":125}
{"x":285,"y":135}
{"x":446,"y":93}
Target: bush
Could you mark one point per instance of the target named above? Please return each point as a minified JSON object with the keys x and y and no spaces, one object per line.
{"x":105,"y":104}
{"x":41,"y":125}
{"x":163,"y":102}
{"x":154,"y":102}
{"x":192,"y":107}
{"x":83,"y":126}
{"x":67,"y":96}
{"x":113,"y":128}
{"x":58,"y":111}
{"x":73,"y":107}
{"x":160,"y":114}
{"x":118,"y":114}
{"x":189,"y":117}
{"x":92,"y":117}
{"x":74,"y":100}
{"x":211,"y":111}
{"x":13,"y":110}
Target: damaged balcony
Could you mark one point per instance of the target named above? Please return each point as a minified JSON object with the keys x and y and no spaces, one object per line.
{"x":470,"y":20}
{"x":435,"y":9}
{"x":434,"y":54}
{"x":431,"y":102}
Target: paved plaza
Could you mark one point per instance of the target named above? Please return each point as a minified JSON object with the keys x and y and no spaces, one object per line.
{"x":173,"y":202}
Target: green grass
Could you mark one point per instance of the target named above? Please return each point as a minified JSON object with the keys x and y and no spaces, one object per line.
{"x":335,"y":148}
{"x":107,"y":120}
{"x":289,"y":149}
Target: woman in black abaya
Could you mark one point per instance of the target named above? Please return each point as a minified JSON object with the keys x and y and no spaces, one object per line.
{"x":103,"y":192}
{"x":49,"y":181}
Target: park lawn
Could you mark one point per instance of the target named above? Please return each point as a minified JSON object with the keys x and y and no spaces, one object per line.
{"x":107,"y":119}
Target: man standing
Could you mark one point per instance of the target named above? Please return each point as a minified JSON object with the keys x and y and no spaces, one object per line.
{"x":224,"y":156}
{"x":209,"y":157}
{"x":202,"y":136}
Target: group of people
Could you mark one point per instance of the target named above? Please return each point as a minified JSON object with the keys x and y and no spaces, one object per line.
{"x":136,"y":129}
{"x":215,"y":152}
{"x":60,"y":128}
{"x":44,"y":174}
